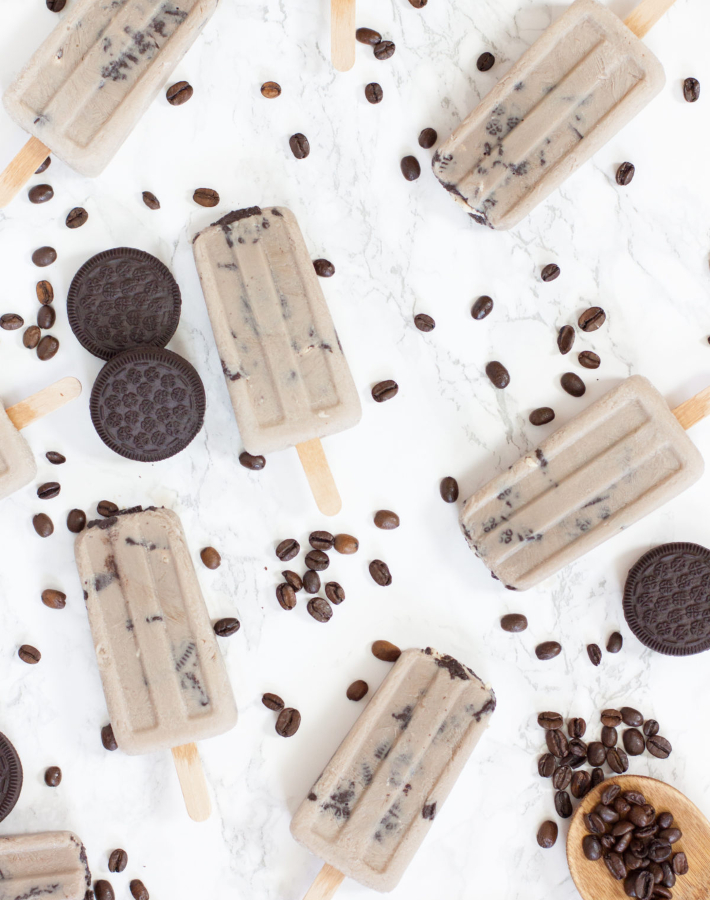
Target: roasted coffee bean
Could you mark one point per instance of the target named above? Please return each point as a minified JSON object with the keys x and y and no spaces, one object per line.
{"x":591,"y":847}
{"x":286,"y":596}
{"x":273,"y":702}
{"x":547,"y":834}
{"x":48,"y":161}
{"x":679,"y":863}
{"x":138,"y":890}
{"x":596,"y":753}
{"x":53,"y":776}
{"x":482,"y":308}
{"x":49,"y":490}
{"x":107,"y":508}
{"x":631,"y":716}
{"x":357,"y":690}
{"x":346,"y":544}
{"x":578,"y":748}
{"x":670,"y":835}
{"x":299,"y":145}
{"x":550,"y":720}
{"x":617,"y":760}
{"x":45,"y":292}
{"x":664,"y":820}
{"x":288,"y":549}
{"x":117,"y":861}
{"x":498,"y":374}
{"x":56,"y":459}
{"x":11,"y":321}
{"x":31,"y":337}
{"x":597,"y":776}
{"x":611,"y":717}
{"x":556,"y":742}
{"x":485,"y":62}
{"x":514,"y":622}
{"x":324,"y":268}
{"x":659,"y":850}
{"x":103,"y":890}
{"x":384,"y":49}
{"x":386,"y":651}
{"x":255,"y":463}
{"x":226,"y":627}
{"x":427,"y":138}
{"x":271,"y":90}
{"x":576,"y":728}
{"x":546,"y":765}
{"x":594,"y":824}
{"x":542,"y":416}
{"x":150,"y":200}
{"x":418,"y":4}
{"x":288,"y":722}
{"x":643,"y":885}
{"x":76,"y":217}
{"x":565,"y":339}
{"x":54,"y":599}
{"x":179,"y":93}
{"x":607,"y":814}
{"x":46,"y":317}
{"x":424,"y":322}
{"x":320,"y":609}
{"x":380,"y":573}
{"x":592,"y":319}
{"x":623,"y":827}
{"x":668,"y":879}
{"x":659,"y":747}
{"x":108,"y":739}
{"x":368,"y":36}
{"x":43,"y":525}
{"x":562,"y":778}
{"x":44,"y":256}
{"x":334,"y":592}
{"x":386,"y":519}
{"x":410,"y":168}
{"x":608,"y":841}
{"x":635,"y":798}
{"x":660,"y":892}
{"x":609,"y":793}
{"x":691,"y":90}
{"x":589,"y":360}
{"x":321,"y":540}
{"x":449,"y":489}
{"x":206,"y":197}
{"x":210,"y":558}
{"x":29,"y":654}
{"x":311,"y":582}
{"x":56,"y":6}
{"x":317,"y":560}
{"x":581,"y":784}
{"x":47,"y":347}
{"x":647,"y":832}
{"x":573,"y":384}
{"x":615,"y":643}
{"x":625,"y":173}
{"x":621,"y":844}
{"x":563,"y":804}
{"x":634,"y":743}
{"x":633,"y":862}
{"x":550,"y":272}
{"x":595,"y":654}
{"x":384,"y":390}
{"x":615,"y":864}
{"x":609,"y":737}
{"x":650,"y":727}
{"x":574,"y":762}
{"x":76,"y":520}
{"x":40,"y":193}
{"x":548,"y":650}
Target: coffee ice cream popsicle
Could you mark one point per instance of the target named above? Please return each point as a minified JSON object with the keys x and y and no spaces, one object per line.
{"x":163,"y":675}
{"x":49,"y":864}
{"x":619,"y":460}
{"x":17,"y":462}
{"x":86,"y":87}
{"x":570,"y":93}
{"x":288,"y":379}
{"x":368,"y":813}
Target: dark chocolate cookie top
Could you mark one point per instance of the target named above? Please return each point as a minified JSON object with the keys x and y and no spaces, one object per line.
{"x":10,"y":777}
{"x":667,"y":599}
{"x":147,"y":404}
{"x":123,"y":298}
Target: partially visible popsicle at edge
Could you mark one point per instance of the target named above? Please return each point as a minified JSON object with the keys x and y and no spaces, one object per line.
{"x":48,"y":864}
{"x":17,"y":462}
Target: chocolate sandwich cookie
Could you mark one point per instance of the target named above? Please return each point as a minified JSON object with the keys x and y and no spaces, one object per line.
{"x":123,"y":298}
{"x":667,"y":599}
{"x":10,"y":777}
{"x":147,"y":404}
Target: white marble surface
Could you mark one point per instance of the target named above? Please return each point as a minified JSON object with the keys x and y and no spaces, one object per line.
{"x":641,"y":252}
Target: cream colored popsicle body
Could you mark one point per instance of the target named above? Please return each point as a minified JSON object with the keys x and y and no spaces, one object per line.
{"x":50,"y":864}
{"x":614,"y":463}
{"x":573,"y":90}
{"x":377,"y":798}
{"x":89,"y":83}
{"x":286,"y":372}
{"x":162,"y":672}
{"x":17,"y":462}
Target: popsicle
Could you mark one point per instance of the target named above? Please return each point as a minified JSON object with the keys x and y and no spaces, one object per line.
{"x":17,"y":462}
{"x":49,"y":864}
{"x":377,"y":798}
{"x":622,"y":458}
{"x":164,"y":678}
{"x":286,"y":372}
{"x":571,"y":92}
{"x":86,"y":87}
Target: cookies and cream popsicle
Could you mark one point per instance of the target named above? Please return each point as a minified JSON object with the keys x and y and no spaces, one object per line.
{"x":379,"y":795}
{"x":49,"y":864}
{"x":622,"y":458}
{"x":573,"y":90}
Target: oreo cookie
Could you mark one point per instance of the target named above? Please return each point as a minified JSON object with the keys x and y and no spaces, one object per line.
{"x":667,"y":599}
{"x":10,"y":777}
{"x":147,"y":404}
{"x":123,"y":298}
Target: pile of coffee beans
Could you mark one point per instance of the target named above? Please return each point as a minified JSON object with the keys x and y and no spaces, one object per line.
{"x":317,"y":560}
{"x":635,"y":842}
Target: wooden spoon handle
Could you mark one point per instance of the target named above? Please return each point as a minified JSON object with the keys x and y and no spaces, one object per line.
{"x":326,"y":884}
{"x":21,"y":169}
{"x":342,"y":34}
{"x":320,"y":478}
{"x":192,"y":782}
{"x":45,"y":401}
{"x":642,"y":19}
{"x":694,"y":410}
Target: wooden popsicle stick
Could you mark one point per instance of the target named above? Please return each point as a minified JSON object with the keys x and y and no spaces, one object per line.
{"x":326,"y":884}
{"x":342,"y":34}
{"x":694,"y":410}
{"x":642,"y":19}
{"x":45,"y":401}
{"x":320,"y":478}
{"x":192,"y":782}
{"x":21,"y":169}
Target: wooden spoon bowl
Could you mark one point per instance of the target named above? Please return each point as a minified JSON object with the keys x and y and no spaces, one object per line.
{"x":593,"y":880}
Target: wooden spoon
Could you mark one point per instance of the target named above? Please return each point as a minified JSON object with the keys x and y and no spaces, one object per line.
{"x":593,"y":880}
